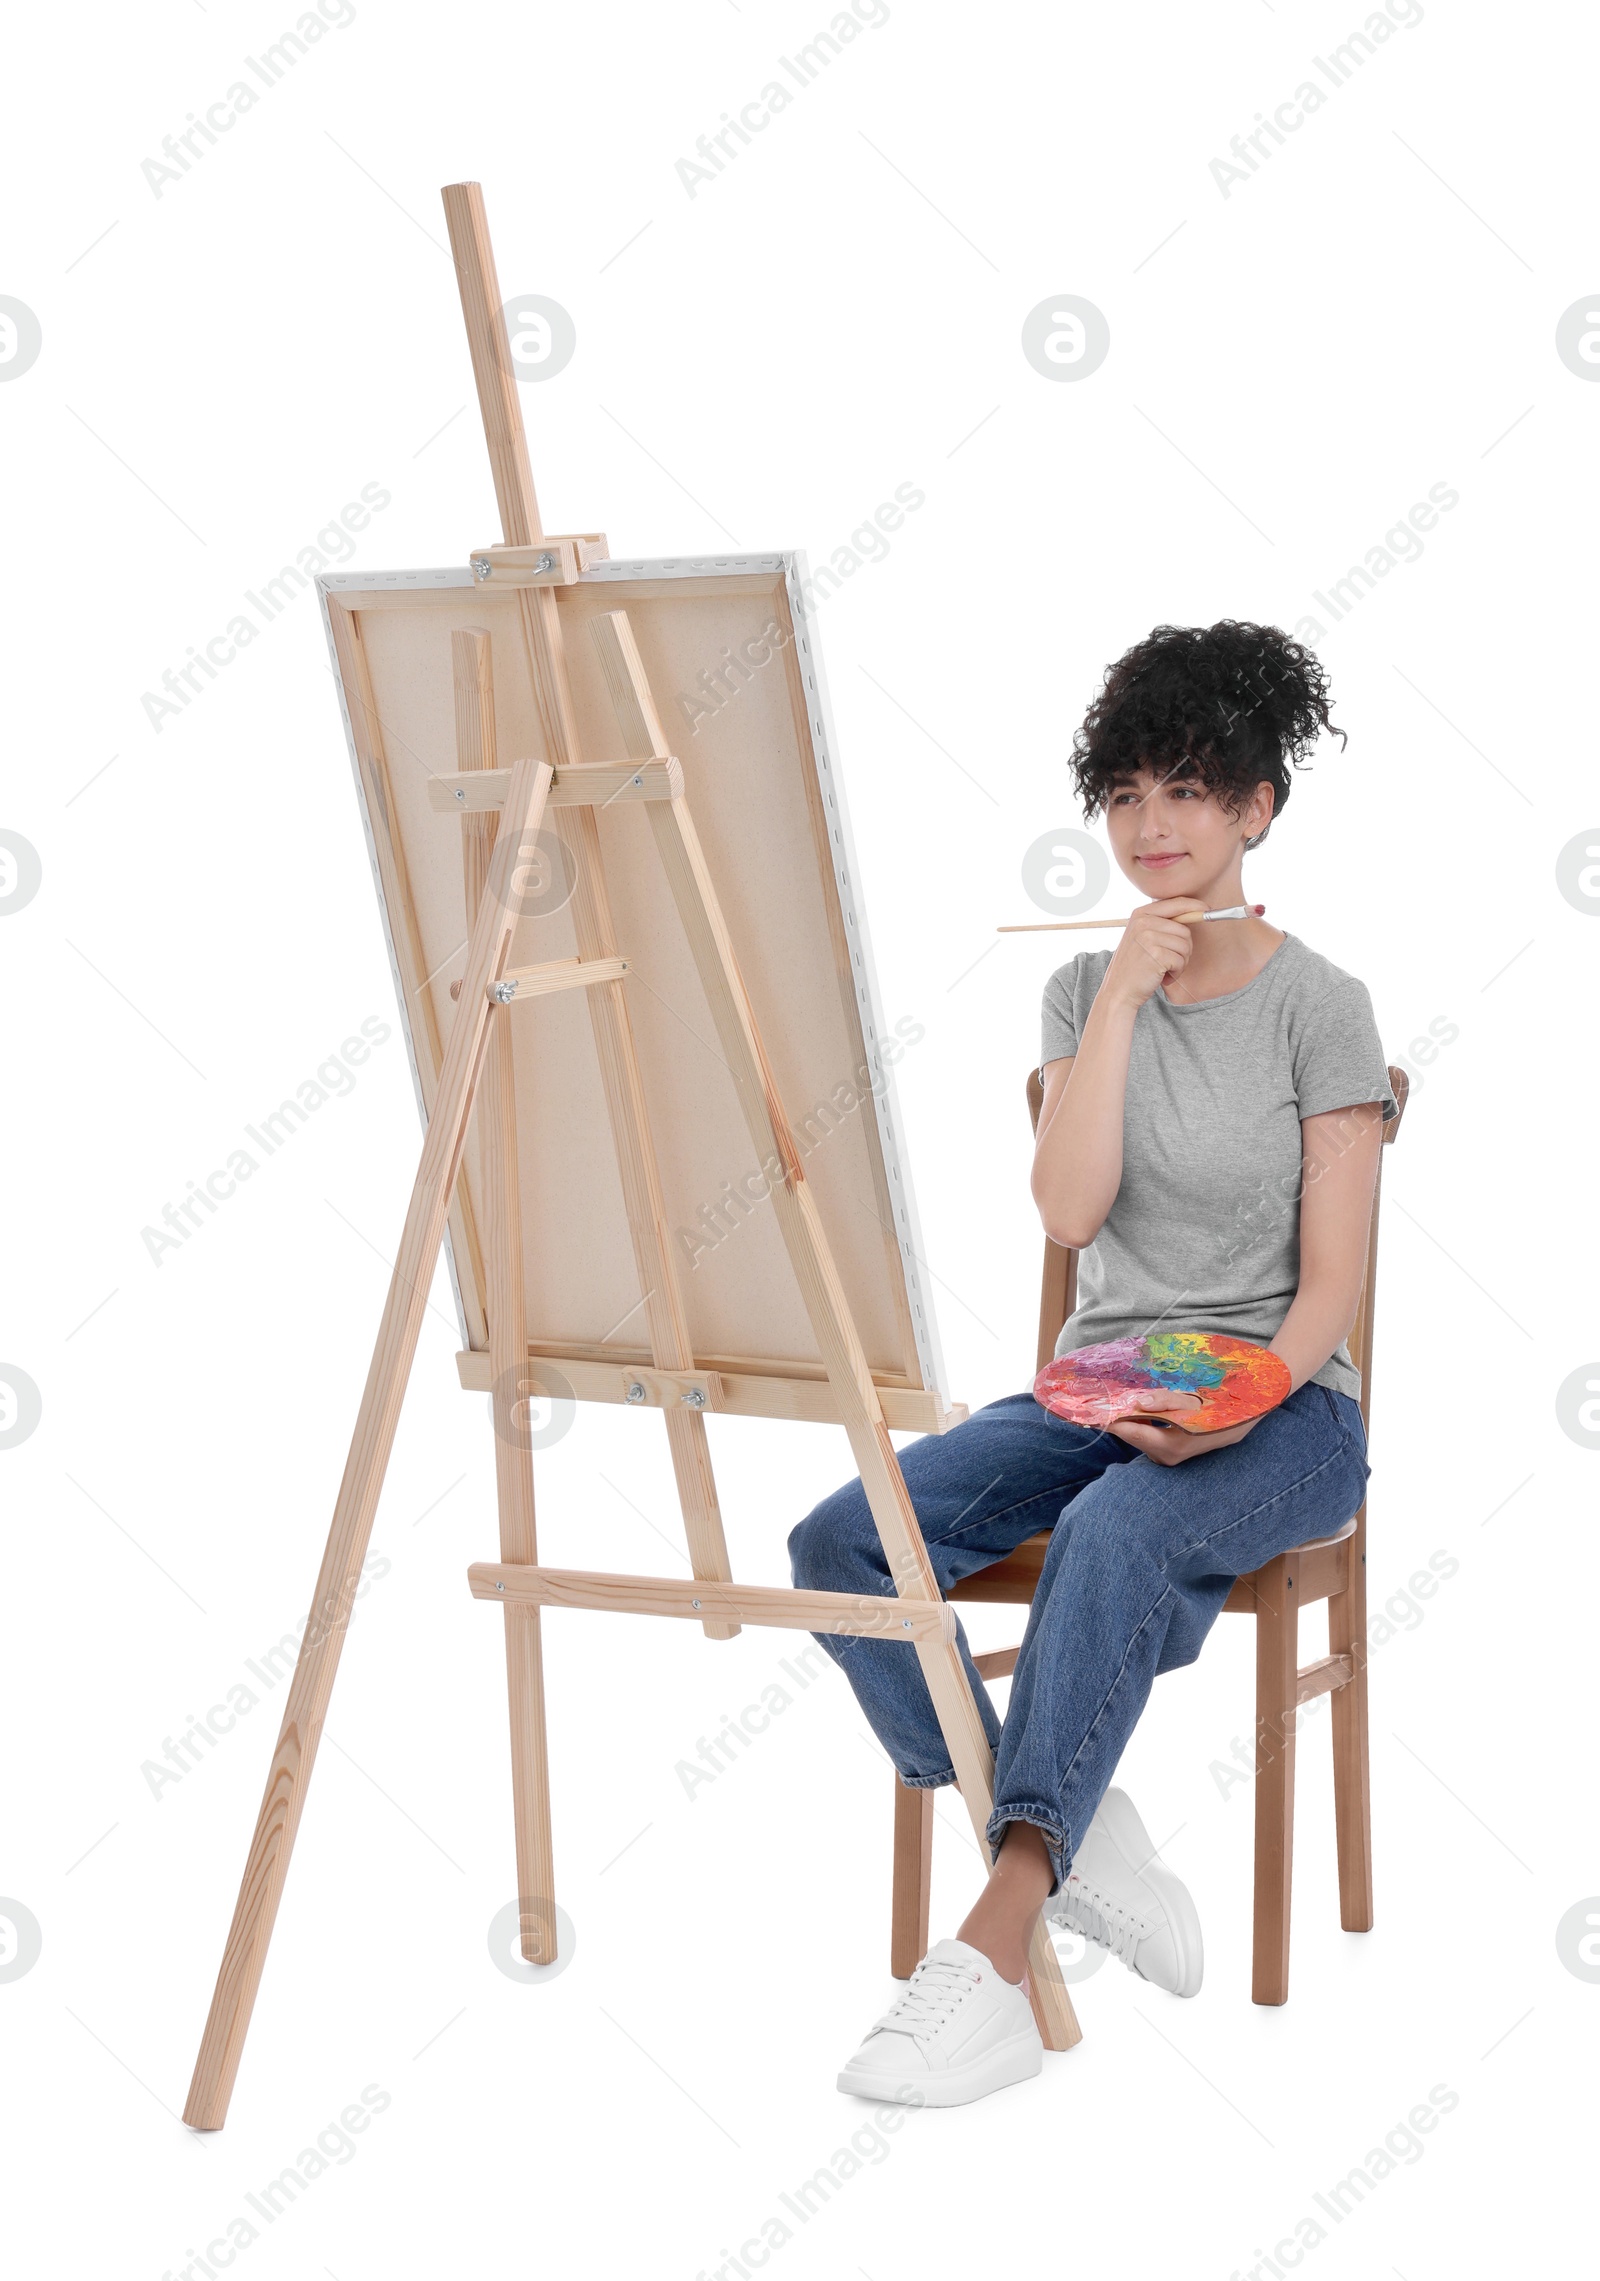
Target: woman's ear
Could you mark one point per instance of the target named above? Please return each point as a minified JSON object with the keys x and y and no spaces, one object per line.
{"x":1264,"y":795}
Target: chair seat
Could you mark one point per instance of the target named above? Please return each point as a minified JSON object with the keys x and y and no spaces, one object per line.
{"x":1312,"y":1543}
{"x":1014,"y":1580}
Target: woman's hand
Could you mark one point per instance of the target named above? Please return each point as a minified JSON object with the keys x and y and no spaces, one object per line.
{"x":1170,"y":1445}
{"x":1155,"y":946}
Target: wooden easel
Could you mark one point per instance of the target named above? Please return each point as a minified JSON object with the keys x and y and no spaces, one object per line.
{"x":500,"y":817}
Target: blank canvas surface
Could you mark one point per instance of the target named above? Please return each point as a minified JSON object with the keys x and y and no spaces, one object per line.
{"x":752,"y":734}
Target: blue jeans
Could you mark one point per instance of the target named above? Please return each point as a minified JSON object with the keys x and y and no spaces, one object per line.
{"x":1141,"y":1558}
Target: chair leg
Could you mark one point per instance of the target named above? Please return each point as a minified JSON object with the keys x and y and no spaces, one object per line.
{"x":1352,"y":1783}
{"x":1277,"y":1684}
{"x":913,"y":1864}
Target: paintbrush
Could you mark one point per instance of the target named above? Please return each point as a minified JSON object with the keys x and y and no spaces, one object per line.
{"x":1188,"y":919}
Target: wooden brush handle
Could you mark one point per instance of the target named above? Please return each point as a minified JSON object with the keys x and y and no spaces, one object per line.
{"x":1066,"y":926}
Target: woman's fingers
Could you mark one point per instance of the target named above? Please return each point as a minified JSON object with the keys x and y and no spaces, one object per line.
{"x":1169,"y":946}
{"x":1155,"y":945}
{"x":1168,"y":932}
{"x":1161,"y":1445}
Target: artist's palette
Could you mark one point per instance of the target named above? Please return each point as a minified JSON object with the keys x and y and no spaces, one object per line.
{"x":1097,"y":1385}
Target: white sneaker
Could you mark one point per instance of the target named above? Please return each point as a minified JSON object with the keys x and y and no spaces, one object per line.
{"x":957,"y":2033}
{"x":1119,"y":1895}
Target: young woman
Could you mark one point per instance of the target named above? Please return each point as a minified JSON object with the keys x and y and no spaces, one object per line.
{"x":1214,"y":1098}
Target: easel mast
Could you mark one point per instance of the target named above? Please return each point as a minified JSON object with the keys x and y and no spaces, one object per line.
{"x":477,"y":1073}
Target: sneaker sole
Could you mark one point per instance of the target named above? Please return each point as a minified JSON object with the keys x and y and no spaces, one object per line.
{"x":1010,"y":2062}
{"x":1131,"y":1836}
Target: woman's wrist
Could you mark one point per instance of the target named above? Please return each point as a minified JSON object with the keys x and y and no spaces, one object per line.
{"x":1304,"y":1347}
{"x":1112,"y":1004}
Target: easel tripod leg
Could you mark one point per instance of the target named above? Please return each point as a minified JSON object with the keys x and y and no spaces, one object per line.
{"x":506,"y":1315}
{"x":267,"y":1864}
{"x":973,"y":1761}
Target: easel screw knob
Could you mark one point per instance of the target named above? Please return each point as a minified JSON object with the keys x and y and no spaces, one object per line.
{"x":694,"y":1603}
{"x":481,"y":566}
{"x":695,"y":1398}
{"x":499,"y":1587}
{"x":636,"y":1392}
{"x":503,"y":993}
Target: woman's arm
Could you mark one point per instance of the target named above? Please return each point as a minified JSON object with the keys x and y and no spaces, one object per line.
{"x":1339,"y":1170}
{"x":1077,"y":1157}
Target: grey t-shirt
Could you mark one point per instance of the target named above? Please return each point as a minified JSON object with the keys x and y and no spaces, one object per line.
{"x":1204,"y":1233}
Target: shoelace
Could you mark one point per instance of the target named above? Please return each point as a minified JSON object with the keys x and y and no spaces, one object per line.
{"x":935,"y":1990}
{"x":1086,"y":1909}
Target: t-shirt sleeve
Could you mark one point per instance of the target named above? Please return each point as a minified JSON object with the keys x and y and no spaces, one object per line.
{"x":1339,"y":1059}
{"x":1059,"y":1021}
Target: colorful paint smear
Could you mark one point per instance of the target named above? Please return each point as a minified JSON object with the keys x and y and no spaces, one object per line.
{"x":1234,"y":1380}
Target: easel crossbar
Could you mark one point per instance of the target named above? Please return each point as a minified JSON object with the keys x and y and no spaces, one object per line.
{"x":576,"y":784}
{"x":743,"y":1394}
{"x":521,"y":982}
{"x":893,"y":1619}
{"x":738,"y":1602}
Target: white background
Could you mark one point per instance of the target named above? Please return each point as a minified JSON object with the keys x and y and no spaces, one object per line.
{"x":839,"y":311}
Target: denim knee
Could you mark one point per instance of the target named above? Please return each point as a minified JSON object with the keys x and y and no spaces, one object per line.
{"x":802,"y":1552}
{"x":823,"y":1543}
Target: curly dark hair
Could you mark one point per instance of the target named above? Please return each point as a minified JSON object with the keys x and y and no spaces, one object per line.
{"x":1228,"y":703}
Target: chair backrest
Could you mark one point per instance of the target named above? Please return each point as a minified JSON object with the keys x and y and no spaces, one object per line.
{"x":1058,"y":1294}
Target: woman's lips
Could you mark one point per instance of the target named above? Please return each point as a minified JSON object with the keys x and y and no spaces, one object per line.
{"x":1159,"y":862}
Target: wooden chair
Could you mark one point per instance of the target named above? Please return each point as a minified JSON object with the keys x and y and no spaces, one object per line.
{"x":1331,"y":1568}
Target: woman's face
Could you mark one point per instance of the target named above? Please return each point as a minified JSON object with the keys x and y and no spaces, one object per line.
{"x":1172,"y":836}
